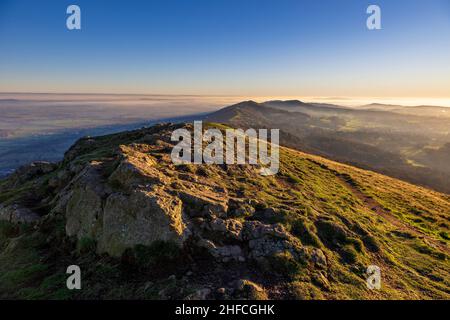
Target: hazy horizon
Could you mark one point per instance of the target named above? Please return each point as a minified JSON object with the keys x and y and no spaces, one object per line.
{"x":223,"y":100}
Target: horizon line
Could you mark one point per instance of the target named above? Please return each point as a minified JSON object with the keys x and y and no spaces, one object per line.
{"x":221,"y":95}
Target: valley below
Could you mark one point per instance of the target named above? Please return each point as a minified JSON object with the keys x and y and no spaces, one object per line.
{"x":397,"y":141}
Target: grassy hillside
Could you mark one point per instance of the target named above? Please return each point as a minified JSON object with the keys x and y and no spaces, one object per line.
{"x":308,"y":232}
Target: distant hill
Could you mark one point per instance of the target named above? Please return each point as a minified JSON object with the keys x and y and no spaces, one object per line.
{"x":392,"y":143}
{"x":427,"y":111}
{"x":308,"y":108}
{"x":261,"y":114}
{"x":140,"y":227}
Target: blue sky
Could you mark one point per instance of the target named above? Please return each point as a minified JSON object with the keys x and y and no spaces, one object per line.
{"x":245,"y":47}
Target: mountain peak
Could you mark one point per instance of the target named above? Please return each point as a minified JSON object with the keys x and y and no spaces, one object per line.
{"x":285,"y":103}
{"x":248,"y":103}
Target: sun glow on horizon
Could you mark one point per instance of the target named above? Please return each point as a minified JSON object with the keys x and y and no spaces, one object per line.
{"x":219,"y":100}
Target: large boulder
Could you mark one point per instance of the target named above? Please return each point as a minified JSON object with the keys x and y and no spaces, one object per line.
{"x":141,"y":218}
{"x":120,"y":219}
{"x":83,"y":202}
{"x":204,"y":203}
{"x":136,"y":168}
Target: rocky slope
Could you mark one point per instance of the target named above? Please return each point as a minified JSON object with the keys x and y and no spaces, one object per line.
{"x":141,"y":227}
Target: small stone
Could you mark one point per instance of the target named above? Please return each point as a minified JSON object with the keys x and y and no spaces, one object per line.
{"x":207,"y":244}
{"x":148,"y":285}
{"x":221,"y":290}
{"x":200,"y":294}
{"x":318,"y":257}
{"x":321,"y":281}
{"x":250,"y":289}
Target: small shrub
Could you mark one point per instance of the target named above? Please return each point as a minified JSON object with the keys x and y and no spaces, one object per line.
{"x":444,"y":235}
{"x":423,"y":249}
{"x":331,"y":233}
{"x":187,"y":168}
{"x":349,"y":254}
{"x":357,"y":244}
{"x":51,"y":287}
{"x":23,"y":276}
{"x":415,"y":211}
{"x":284,"y":263}
{"x":293,"y":179}
{"x":304,"y":291}
{"x":371,"y":243}
{"x":202,"y":171}
{"x":403,"y":234}
{"x":250,"y":290}
{"x":86,"y":245}
{"x":161,"y":255}
{"x":8,"y":230}
{"x":440,"y":255}
{"x":305,"y":233}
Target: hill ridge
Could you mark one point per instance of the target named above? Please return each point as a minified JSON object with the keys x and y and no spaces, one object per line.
{"x":117,"y":203}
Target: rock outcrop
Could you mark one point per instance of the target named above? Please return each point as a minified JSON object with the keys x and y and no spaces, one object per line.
{"x":17,"y":214}
{"x":127,"y":208}
{"x":137,"y":196}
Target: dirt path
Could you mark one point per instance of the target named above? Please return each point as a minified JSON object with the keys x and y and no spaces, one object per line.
{"x":374,"y":206}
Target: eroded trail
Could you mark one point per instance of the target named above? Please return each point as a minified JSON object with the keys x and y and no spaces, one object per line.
{"x":374,"y":206}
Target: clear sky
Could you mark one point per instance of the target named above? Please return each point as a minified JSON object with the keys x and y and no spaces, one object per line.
{"x":227,"y":47}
